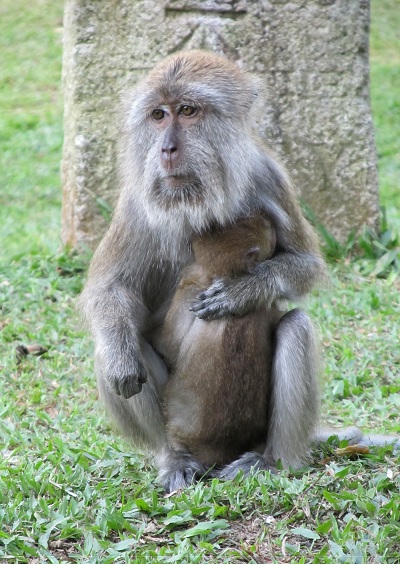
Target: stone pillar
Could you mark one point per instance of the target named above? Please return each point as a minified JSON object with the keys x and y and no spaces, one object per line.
{"x":313,"y":56}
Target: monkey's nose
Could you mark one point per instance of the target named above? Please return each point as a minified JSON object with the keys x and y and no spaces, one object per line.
{"x":169,"y":155}
{"x":169,"y":149}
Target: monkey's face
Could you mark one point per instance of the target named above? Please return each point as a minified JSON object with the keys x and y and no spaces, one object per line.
{"x":182,"y":157}
{"x":192,"y":146}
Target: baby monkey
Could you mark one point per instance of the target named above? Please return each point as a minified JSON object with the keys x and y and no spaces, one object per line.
{"x":217,"y":398}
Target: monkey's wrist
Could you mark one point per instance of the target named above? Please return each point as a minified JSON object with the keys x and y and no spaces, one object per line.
{"x":270,"y":285}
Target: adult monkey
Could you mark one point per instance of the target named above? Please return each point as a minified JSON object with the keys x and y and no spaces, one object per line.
{"x":190,"y":159}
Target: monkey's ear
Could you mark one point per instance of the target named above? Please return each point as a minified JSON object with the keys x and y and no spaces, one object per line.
{"x":252,"y":258}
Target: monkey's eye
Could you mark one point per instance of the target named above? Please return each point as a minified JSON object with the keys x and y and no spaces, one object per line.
{"x":188,"y":111}
{"x":158,"y":114}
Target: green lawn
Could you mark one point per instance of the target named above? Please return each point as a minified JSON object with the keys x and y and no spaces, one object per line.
{"x":30,"y":126}
{"x":385,"y":98}
{"x":70,"y":490}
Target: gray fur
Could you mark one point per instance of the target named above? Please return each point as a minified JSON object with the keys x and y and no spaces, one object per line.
{"x":140,"y":417}
{"x":247,"y":463}
{"x":134,"y":272}
{"x":355,"y":437}
{"x":351,"y":434}
{"x":381,"y":441}
{"x":178,"y":470}
{"x":295,"y":391}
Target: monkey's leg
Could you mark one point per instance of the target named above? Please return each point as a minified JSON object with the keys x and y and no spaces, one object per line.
{"x":295,"y":390}
{"x":141,"y":419}
{"x":295,"y":398}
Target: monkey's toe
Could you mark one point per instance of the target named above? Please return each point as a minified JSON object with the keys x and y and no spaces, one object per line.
{"x":247,"y":463}
{"x":178,"y":471}
{"x":178,"y":480}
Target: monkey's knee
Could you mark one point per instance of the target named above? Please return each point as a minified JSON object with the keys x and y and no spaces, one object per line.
{"x":296,"y":357}
{"x":296,"y":331}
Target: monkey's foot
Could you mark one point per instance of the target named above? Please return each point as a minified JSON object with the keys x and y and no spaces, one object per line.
{"x":247,"y":463}
{"x":179,"y":470}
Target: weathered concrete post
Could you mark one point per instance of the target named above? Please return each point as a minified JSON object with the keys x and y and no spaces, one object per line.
{"x":312,"y":55}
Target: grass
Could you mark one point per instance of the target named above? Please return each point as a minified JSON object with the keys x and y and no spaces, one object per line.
{"x":70,"y":490}
{"x":385,"y":88}
{"x":30,"y":126}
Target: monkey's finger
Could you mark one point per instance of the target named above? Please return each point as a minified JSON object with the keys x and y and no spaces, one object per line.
{"x":216,"y":288}
{"x":210,"y":297}
{"x":202,"y":306}
{"x":210,"y":311}
{"x":199,"y":306}
{"x":196,"y":306}
{"x":207,"y":315}
{"x":213,"y":303}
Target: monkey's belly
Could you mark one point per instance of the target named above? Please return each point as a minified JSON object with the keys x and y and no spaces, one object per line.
{"x":217,"y":400}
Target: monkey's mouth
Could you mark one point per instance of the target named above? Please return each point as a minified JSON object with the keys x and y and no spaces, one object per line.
{"x":173,"y":189}
{"x":177,"y":181}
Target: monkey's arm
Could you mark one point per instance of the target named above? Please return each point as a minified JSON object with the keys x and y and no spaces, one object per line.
{"x":288,"y":276}
{"x":114,"y":309}
{"x":294,"y":270}
{"x":115,"y":323}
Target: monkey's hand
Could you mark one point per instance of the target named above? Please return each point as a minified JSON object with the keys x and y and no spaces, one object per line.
{"x":126,"y":376}
{"x":233,"y":297}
